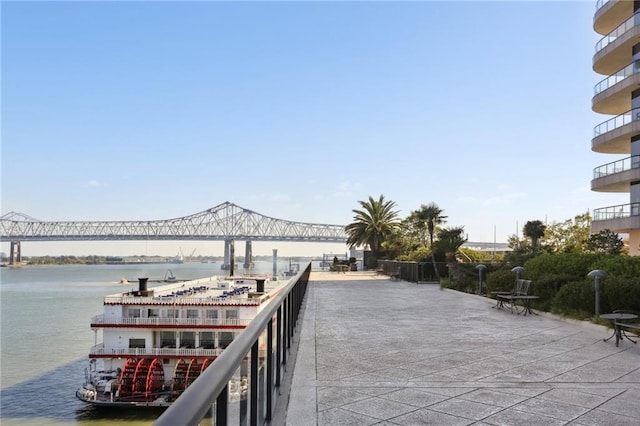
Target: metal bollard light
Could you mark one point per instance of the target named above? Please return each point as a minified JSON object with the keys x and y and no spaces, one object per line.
{"x":598,"y":275}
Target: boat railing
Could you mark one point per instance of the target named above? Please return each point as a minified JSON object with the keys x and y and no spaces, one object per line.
{"x":259,"y":353}
{"x":181,"y":301}
{"x":99,"y":349}
{"x":99,"y":320}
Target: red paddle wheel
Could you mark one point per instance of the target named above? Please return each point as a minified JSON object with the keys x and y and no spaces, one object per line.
{"x":179,"y":378}
{"x":193,"y":371}
{"x":126,"y":380}
{"x":140,"y":378}
{"x":155,"y":379}
{"x":205,"y":364}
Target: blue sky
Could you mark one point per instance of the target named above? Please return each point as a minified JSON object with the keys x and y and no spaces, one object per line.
{"x":297,"y":110}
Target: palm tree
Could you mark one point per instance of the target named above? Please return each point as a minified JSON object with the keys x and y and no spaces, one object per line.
{"x":373,"y":224}
{"x":432,"y":215}
{"x":450,"y":240}
{"x":534,"y":229}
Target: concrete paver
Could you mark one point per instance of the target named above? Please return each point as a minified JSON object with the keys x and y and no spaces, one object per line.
{"x":372,"y":351}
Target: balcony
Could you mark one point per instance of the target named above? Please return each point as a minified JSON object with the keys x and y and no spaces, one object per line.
{"x":99,"y":351}
{"x":613,"y":94}
{"x":616,"y":176}
{"x":609,"y":14}
{"x":99,"y":321}
{"x":614,"y":135}
{"x":613,"y":51}
{"x":622,"y":218}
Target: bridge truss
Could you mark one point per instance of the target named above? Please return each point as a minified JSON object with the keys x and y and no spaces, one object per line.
{"x":226,"y":221}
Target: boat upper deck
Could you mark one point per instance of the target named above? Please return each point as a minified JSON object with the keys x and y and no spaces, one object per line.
{"x":214,"y":290}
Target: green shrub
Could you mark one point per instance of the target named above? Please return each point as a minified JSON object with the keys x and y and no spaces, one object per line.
{"x":620,"y":266}
{"x":575,"y":299}
{"x":576,"y":265}
{"x":500,"y":280}
{"x":620,"y":293}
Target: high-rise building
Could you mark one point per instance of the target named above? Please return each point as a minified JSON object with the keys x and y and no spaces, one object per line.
{"x":617,"y":58}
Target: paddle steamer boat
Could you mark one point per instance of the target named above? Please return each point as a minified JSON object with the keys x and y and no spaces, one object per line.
{"x":157,"y":341}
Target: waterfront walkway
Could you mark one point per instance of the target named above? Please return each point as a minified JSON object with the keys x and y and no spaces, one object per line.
{"x":375,"y":351}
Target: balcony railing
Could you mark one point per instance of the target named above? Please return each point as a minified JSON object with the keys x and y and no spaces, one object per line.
{"x":601,"y":3}
{"x":158,"y":352}
{"x":617,"y":167}
{"x":626,"y":72}
{"x":617,"y":212}
{"x":613,"y":35}
{"x":617,"y":121}
{"x":99,"y":320}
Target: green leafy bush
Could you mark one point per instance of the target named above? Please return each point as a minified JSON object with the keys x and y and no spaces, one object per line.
{"x":575,"y":299}
{"x":576,"y":265}
{"x":500,"y":280}
{"x":619,"y":266}
{"x":620,"y":293}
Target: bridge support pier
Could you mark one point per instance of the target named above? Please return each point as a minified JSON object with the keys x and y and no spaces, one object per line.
{"x":229,"y":256}
{"x":248,"y":255}
{"x":15,"y":255}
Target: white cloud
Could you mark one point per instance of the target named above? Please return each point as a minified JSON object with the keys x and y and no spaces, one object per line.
{"x":94,"y":184}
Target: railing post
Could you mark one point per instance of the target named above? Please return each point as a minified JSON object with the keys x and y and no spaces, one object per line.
{"x":269,"y":389}
{"x":253,"y":418}
{"x":279,"y":331}
{"x":221,"y":406}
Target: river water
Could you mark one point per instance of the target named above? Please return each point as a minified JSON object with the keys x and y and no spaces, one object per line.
{"x":45,"y":337}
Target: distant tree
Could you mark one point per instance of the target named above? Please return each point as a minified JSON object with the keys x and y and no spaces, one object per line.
{"x":570,"y":236}
{"x":430,"y":216}
{"x":373,"y":224}
{"x":605,"y":241}
{"x":534,"y":229}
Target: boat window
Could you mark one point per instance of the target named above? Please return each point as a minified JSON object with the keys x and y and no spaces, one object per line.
{"x":231,"y":314}
{"x":137,"y":343}
{"x":207,"y":340}
{"x":173,"y":313}
{"x":192,"y":313}
{"x":212,"y":313}
{"x":226,"y":337}
{"x":134,"y":313}
{"x":153,"y":313}
{"x":187,"y":339}
{"x":167,"y":339}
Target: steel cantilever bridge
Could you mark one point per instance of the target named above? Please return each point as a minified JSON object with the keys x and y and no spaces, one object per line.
{"x":226,"y":222}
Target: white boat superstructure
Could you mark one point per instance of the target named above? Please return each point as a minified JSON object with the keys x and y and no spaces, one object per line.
{"x":157,"y":341}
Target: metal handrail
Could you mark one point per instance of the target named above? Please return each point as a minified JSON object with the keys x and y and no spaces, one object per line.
{"x":212,"y":386}
{"x":616,"y":122}
{"x":601,"y":3}
{"x":615,"y":78}
{"x":619,"y":166}
{"x":617,"y":212}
